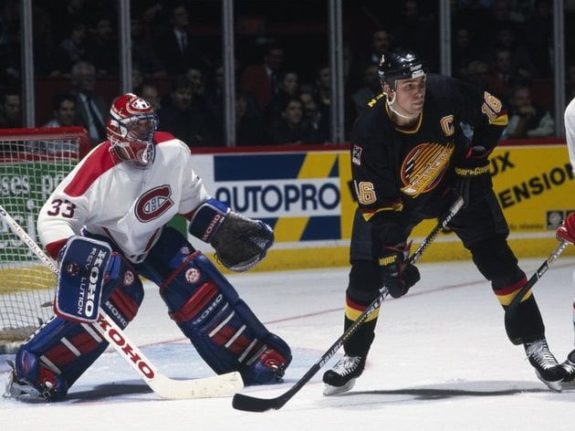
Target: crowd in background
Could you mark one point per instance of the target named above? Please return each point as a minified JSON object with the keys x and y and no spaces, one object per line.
{"x":282,"y":73}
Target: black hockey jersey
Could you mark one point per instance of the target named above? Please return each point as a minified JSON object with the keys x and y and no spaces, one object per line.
{"x":397,"y":170}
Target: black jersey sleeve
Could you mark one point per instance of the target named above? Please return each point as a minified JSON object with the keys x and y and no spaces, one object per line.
{"x":483,"y":112}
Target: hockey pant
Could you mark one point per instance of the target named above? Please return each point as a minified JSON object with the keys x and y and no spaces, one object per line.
{"x":59,"y":352}
{"x":209,"y":311}
{"x":483,"y":230}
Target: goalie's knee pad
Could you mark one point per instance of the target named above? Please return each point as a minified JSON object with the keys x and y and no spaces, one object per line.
{"x":223,"y":329}
{"x":61,"y":350}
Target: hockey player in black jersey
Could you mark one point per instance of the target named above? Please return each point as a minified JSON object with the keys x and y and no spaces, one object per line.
{"x":425,"y":140}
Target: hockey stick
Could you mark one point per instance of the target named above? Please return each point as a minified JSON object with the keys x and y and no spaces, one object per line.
{"x":514,"y":304}
{"x":253,"y":404}
{"x":217,"y":386}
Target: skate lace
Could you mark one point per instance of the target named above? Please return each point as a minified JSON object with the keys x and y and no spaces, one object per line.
{"x":347,"y":365}
{"x":539,"y":352}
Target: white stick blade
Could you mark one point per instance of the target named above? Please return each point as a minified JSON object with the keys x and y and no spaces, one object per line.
{"x":224,"y":385}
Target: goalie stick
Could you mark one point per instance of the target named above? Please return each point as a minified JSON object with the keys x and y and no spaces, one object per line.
{"x":253,"y":404}
{"x":210,"y":387}
{"x":514,"y":304}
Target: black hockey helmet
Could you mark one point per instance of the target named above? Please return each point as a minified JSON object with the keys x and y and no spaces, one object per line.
{"x":400,"y":64}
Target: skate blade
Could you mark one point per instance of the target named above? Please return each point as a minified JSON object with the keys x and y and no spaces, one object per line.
{"x":329,"y":390}
{"x":556,"y":385}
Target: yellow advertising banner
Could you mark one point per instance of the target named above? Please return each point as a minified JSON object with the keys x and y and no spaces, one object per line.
{"x":534,"y":185}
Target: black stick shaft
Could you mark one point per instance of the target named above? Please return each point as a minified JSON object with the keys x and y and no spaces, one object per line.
{"x":253,"y":404}
{"x":514,"y":304}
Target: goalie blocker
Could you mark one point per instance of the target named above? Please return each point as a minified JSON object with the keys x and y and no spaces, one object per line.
{"x":206,"y":307}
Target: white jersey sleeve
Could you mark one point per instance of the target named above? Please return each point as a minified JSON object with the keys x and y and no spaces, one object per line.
{"x":570,"y":131}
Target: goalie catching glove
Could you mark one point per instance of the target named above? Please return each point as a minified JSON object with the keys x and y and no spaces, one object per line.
{"x":240,"y":243}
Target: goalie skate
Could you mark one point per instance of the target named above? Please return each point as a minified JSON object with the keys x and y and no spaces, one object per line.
{"x":21,"y":389}
{"x":341,"y":378}
{"x":546,"y":366}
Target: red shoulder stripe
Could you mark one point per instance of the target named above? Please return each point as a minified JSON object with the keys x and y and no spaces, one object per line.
{"x":160,"y":137}
{"x":96,"y":163}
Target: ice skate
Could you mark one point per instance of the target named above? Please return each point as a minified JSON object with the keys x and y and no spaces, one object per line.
{"x":569,"y":369}
{"x":341,"y":378}
{"x":546,"y":366}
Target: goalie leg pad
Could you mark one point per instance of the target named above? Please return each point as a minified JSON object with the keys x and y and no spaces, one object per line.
{"x":61,"y":350}
{"x":209,"y":311}
{"x":221,"y":326}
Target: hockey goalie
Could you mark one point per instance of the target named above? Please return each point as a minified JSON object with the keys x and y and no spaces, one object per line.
{"x":106,"y":224}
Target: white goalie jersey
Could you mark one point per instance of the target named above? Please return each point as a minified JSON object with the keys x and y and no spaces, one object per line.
{"x":117,"y":200}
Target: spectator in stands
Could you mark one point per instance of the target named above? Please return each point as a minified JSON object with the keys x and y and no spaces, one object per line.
{"x":313,"y":116}
{"x":291,"y":129}
{"x":478,"y":73}
{"x":151,"y":94}
{"x":288,"y":88}
{"x":184,"y":118}
{"x":381,"y":42}
{"x":521,"y":62}
{"x":462,"y":52}
{"x":10,"y":110}
{"x":501,"y":74}
{"x":91,"y":109}
{"x":176,"y":47}
{"x":71,"y":50}
{"x":102,"y":48}
{"x":371,"y":88}
{"x":64,"y":111}
{"x":261,"y":80}
{"x":416,"y":29}
{"x":144,"y":52}
{"x":526,"y":120}
{"x":539,"y":37}
{"x":250,"y":125}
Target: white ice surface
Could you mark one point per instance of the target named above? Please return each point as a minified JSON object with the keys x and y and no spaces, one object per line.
{"x":440,"y":361}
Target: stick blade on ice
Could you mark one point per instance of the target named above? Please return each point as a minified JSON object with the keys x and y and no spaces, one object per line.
{"x":224,"y":385}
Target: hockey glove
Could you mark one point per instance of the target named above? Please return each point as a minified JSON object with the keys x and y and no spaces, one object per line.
{"x":397,"y":274}
{"x":566,"y":232}
{"x":472,"y":176}
{"x":240,"y":242}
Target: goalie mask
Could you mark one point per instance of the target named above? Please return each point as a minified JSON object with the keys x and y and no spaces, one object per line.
{"x":131,"y":128}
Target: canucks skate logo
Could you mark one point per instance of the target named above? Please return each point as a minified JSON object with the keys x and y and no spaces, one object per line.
{"x":154,"y":203}
{"x":424,"y":167}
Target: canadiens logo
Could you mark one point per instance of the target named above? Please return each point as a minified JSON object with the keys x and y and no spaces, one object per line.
{"x":192,"y":275}
{"x":154,"y":203}
{"x":424,"y":167}
{"x":128,"y":278}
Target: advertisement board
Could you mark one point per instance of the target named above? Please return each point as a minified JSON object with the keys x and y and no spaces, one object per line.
{"x":306,"y":197}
